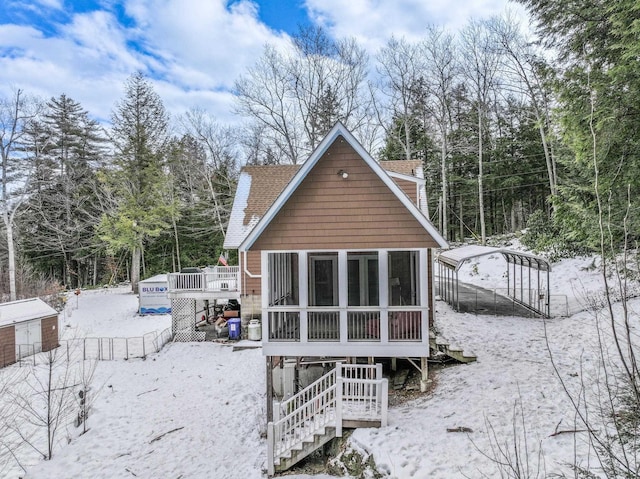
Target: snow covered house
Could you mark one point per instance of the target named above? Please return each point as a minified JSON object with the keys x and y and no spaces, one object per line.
{"x":336,"y":260}
{"x":336,"y":254}
{"x":27,"y":327}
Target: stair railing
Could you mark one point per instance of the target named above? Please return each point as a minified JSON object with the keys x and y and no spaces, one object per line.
{"x":358,"y":391}
{"x":304,"y":414}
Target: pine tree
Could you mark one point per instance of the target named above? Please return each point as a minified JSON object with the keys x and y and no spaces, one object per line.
{"x":58,"y":229}
{"x":138,"y":183}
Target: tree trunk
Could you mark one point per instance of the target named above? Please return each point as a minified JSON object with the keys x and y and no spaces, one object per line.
{"x":12,"y":257}
{"x":135,"y":268}
{"x":443,"y":160}
{"x":483,"y":233}
{"x":175,"y":233}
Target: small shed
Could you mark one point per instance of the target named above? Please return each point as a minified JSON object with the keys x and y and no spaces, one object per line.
{"x":152,"y":295}
{"x":27,"y":327}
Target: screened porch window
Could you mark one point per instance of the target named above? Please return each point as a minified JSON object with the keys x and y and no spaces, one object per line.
{"x":323,"y":279}
{"x":404,"y":278}
{"x":363,"y":279}
{"x":283,"y":279}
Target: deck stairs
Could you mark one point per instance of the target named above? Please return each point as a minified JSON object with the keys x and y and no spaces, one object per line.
{"x":350,"y":395}
{"x":442,"y":346}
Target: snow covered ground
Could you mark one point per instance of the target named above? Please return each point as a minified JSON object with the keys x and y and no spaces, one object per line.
{"x":196,"y":410}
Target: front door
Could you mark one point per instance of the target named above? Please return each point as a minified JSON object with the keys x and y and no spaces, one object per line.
{"x":323,"y":281}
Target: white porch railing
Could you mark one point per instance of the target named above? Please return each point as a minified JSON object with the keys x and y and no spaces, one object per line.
{"x":403,"y":324}
{"x":348,"y":392}
{"x":217,"y":278}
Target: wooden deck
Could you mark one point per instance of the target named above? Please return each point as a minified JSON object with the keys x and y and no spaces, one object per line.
{"x":217,"y":282}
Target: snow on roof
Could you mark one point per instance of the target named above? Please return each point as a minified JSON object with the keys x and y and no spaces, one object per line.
{"x":158,"y":278}
{"x":24,"y":310}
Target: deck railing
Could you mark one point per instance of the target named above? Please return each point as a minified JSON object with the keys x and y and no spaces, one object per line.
{"x":217,"y":278}
{"x":403,"y":324}
{"x":363,"y":325}
{"x":323,"y":325}
{"x":284,"y":325}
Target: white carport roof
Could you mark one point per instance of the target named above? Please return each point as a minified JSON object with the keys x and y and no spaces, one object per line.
{"x":454,"y":258}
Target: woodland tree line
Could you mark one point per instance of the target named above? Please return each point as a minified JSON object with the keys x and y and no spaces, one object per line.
{"x":512,"y":133}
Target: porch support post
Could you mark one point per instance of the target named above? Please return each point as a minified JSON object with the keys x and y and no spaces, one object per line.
{"x":425,"y":294}
{"x":303,"y":291}
{"x":383,"y":281}
{"x":264,"y":300}
{"x":424,"y":374}
{"x":343,"y":294}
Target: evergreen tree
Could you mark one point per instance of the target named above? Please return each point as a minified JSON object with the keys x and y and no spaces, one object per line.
{"x":58,"y":229}
{"x":138,"y":183}
{"x":598,"y":89}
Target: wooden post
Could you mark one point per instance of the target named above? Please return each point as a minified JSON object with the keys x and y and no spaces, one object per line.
{"x":424,"y":369}
{"x":269,"y":389}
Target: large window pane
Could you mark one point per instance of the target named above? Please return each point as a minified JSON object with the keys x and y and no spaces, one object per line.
{"x":363,"y":279}
{"x":323,"y":279}
{"x":283,"y":279}
{"x":404,"y":278}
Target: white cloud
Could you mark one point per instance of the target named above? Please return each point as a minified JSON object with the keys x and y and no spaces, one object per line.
{"x":372,"y":22}
{"x":55,"y":4}
{"x":193,"y":50}
{"x":205,"y":38}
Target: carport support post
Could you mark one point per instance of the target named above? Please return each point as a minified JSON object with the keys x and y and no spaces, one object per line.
{"x":424,"y":371}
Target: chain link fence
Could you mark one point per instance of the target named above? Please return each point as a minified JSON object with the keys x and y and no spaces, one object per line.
{"x":101,"y":349}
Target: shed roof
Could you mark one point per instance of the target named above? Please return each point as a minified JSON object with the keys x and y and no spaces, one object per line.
{"x":158,"y":278}
{"x":24,"y":310}
{"x":456,"y":257}
{"x":259,"y":186}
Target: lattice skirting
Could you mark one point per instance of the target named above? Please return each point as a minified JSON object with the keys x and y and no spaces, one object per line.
{"x":183,"y":320}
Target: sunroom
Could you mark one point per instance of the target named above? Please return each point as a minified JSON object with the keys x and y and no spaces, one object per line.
{"x":345,"y":302}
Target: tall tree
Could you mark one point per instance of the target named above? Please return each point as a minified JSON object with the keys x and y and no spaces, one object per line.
{"x":442,"y":70}
{"x":480,"y":66}
{"x":138,"y":182}
{"x":65,"y":206}
{"x":598,"y":86}
{"x":401,"y":68}
{"x":16,"y":168}
{"x":528,"y":70}
{"x":299,"y":94}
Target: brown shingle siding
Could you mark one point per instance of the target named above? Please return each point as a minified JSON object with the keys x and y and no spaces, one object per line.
{"x":327,"y":211}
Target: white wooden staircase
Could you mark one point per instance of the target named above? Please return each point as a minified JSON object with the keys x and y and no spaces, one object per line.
{"x":348,"y":396}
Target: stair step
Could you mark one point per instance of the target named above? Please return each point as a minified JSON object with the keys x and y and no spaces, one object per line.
{"x":296,"y":455}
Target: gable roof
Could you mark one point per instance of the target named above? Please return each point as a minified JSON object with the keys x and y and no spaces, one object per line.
{"x":246,"y":223}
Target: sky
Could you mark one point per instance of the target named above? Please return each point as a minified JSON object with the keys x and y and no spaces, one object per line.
{"x":192,"y":50}
{"x":197,"y":410}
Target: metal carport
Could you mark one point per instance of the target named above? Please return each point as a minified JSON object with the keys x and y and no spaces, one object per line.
{"x":536,"y":299}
